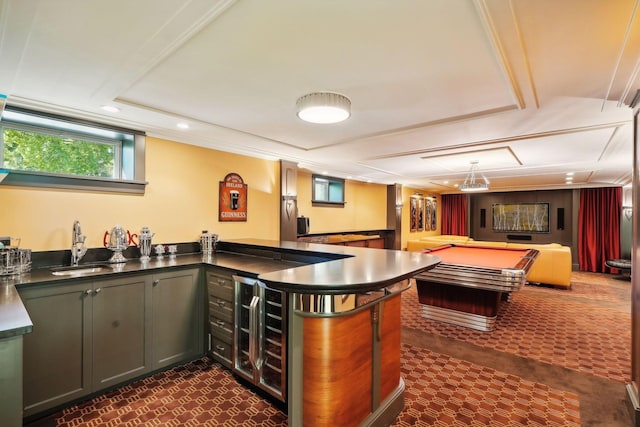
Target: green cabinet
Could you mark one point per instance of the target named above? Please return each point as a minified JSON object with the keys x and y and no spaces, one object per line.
{"x":121,"y":325}
{"x":57,"y":355}
{"x":92,"y":335}
{"x":178,"y":327}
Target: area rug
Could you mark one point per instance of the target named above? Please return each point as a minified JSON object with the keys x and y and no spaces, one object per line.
{"x":585,"y":328}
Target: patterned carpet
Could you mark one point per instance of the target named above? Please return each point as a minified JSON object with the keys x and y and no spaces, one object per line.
{"x":440,"y":391}
{"x":201,"y":393}
{"x":585,"y":329}
{"x":443,"y":391}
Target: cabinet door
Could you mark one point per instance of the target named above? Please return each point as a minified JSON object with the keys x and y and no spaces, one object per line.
{"x":121,"y":330}
{"x":178,"y":326}
{"x":57,"y":354}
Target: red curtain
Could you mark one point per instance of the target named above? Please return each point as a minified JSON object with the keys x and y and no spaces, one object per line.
{"x":599,"y":228}
{"x":454,"y":214}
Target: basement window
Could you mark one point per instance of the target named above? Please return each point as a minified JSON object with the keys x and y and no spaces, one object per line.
{"x":327,"y":191}
{"x":45,"y":150}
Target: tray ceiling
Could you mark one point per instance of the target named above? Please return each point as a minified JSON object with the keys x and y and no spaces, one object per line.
{"x":531,"y":89}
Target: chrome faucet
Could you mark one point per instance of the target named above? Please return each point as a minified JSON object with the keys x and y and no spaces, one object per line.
{"x":77,"y":238}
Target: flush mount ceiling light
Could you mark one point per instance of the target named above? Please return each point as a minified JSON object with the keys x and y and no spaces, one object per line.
{"x":470,"y":183}
{"x":323,"y":107}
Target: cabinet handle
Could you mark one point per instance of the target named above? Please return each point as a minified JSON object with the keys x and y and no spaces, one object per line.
{"x":88,"y":292}
{"x":219,"y":347}
{"x":221,"y":282}
{"x":155,"y":282}
{"x":220,"y":303}
{"x":97,"y":291}
{"x":220,"y":323}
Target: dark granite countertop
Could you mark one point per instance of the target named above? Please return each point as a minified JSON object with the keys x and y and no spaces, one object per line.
{"x":290,"y":266}
{"x":14,"y":319}
{"x":356,"y":270}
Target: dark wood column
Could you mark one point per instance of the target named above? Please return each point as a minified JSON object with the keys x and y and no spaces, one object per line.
{"x":394,"y":215}
{"x":288,"y":200}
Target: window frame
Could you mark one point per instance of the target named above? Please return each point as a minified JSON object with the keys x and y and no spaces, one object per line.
{"x":315,"y":198}
{"x":134,"y":160}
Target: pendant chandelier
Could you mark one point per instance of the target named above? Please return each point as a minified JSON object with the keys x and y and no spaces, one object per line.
{"x":471,"y":183}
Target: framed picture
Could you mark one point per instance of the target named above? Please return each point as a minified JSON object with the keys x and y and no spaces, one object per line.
{"x":232,"y":202}
{"x":428,"y":208}
{"x":434,"y":214}
{"x":413,"y":214}
{"x":521,"y":217}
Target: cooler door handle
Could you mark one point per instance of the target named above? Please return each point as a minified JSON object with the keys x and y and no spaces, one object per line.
{"x":254,"y":333}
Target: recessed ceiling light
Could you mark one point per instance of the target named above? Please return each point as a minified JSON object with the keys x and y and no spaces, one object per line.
{"x":569,"y":173}
{"x":110,"y":108}
{"x":183,"y":125}
{"x":445,"y":182}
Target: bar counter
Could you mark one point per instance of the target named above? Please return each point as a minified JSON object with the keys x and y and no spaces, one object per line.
{"x":337,"y":295}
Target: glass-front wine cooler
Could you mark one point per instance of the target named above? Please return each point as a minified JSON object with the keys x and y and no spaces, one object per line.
{"x":260,"y":336}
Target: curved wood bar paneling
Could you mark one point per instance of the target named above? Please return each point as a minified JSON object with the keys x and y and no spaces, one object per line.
{"x":337,"y":367}
{"x":346,"y":367}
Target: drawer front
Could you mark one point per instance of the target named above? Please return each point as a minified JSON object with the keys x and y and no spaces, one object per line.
{"x":219,"y":279}
{"x":221,"y":309}
{"x":221,"y":351}
{"x":220,"y":287}
{"x":220,"y":329}
{"x":217,"y":291}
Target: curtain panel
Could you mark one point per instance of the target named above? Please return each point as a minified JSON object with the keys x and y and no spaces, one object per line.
{"x":599,"y":228}
{"x":454,"y":214}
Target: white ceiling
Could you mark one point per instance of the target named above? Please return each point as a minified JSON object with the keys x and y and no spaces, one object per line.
{"x":531,"y":89}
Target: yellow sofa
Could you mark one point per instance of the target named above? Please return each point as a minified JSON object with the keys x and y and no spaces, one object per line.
{"x":552,"y":266}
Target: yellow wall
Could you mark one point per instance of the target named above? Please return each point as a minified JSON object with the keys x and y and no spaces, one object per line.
{"x":365,"y":208}
{"x":180,"y":201}
{"x":407,"y":234}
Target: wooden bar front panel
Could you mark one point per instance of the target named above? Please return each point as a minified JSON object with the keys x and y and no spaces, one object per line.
{"x":337,"y":385}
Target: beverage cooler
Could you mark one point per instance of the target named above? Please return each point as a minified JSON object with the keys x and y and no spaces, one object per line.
{"x":260,"y":336}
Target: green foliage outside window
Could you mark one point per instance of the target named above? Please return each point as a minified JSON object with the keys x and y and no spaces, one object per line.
{"x":31,"y":151}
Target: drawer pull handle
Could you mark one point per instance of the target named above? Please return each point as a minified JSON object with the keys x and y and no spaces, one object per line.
{"x":220,"y":323}
{"x":219,"y":347}
{"x":221,"y":303}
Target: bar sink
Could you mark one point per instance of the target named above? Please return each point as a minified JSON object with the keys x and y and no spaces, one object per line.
{"x":78,"y":270}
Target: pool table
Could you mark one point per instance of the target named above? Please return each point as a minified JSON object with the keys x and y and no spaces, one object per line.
{"x":467,"y":287}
